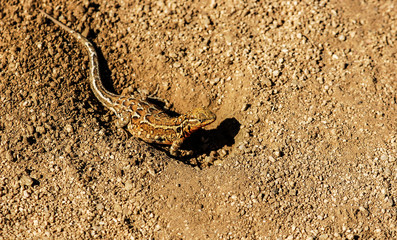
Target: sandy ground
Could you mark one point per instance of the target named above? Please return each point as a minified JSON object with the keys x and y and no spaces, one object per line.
{"x":304,"y":146}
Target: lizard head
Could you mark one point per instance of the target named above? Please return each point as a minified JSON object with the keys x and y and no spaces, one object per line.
{"x":196,"y":119}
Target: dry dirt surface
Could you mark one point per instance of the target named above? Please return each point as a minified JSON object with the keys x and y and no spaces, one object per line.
{"x":304,"y":145}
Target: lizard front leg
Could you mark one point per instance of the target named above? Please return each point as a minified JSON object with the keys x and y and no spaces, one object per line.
{"x":176,"y":151}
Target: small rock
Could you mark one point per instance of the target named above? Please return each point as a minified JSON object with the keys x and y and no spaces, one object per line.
{"x":68,"y":149}
{"x":277,"y":153}
{"x":100,"y":206}
{"x":128,"y":185}
{"x":350,"y":236}
{"x":118,"y":208}
{"x":218,"y":163}
{"x":242,"y":147}
{"x":208,"y":159}
{"x":9,"y":156}
{"x":40,"y":129}
{"x":85,"y":32}
{"x":337,"y":235}
{"x":25,"y":194}
{"x":69,"y":128}
{"x":222,"y":153}
{"x":26,"y":180}
{"x":390,"y":202}
{"x":323,"y":237}
{"x":30,"y":129}
{"x":267,"y":82}
{"x":214,"y":81}
{"x":276,"y":73}
{"x":245,"y":107}
{"x":157,"y":228}
{"x":387,"y":172}
{"x":384,"y":157}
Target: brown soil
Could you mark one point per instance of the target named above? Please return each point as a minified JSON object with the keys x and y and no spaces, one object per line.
{"x":304,"y":146}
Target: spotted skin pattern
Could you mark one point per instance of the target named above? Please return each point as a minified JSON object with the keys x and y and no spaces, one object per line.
{"x":142,"y":118}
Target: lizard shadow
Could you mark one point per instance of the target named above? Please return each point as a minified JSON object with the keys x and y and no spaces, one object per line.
{"x":203,"y":142}
{"x":214,"y":139}
{"x":104,"y":70}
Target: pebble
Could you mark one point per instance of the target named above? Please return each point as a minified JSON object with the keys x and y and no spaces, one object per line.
{"x":272,"y":159}
{"x":277,"y":153}
{"x":267,"y":82}
{"x":117,"y":208}
{"x":337,"y":235}
{"x":387,"y":172}
{"x":323,"y":237}
{"x":245,"y":107}
{"x":69,"y":128}
{"x":85,"y":32}
{"x":384,"y":157}
{"x":68,"y":149}
{"x":350,"y":236}
{"x":26,"y":194}
{"x":242,"y":147}
{"x":100,"y":206}
{"x":9,"y":156}
{"x":208,"y":159}
{"x":342,"y":38}
{"x":30,"y":129}
{"x":214,"y":81}
{"x":222,"y":153}
{"x":26,"y":180}
{"x":128,"y":185}
{"x":218,"y":162}
{"x":157,"y":227}
{"x":40,"y":129}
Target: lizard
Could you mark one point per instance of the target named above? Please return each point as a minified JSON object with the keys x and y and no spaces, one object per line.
{"x":143,"y":119}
